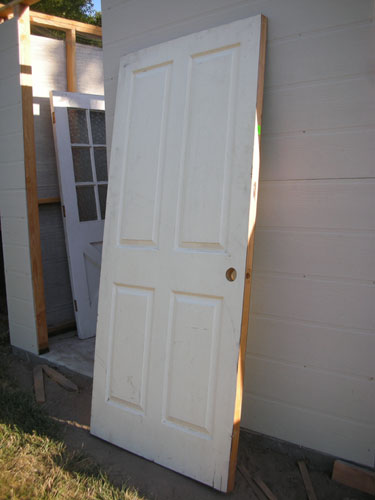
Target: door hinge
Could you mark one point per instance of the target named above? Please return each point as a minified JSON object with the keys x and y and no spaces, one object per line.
{"x":53,"y":117}
{"x":63,"y":210}
{"x":75,"y":305}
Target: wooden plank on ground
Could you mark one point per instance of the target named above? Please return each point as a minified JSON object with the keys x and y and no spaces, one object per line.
{"x":262,"y":485}
{"x":39,"y":384}
{"x":254,"y":487}
{"x":354,"y":477}
{"x":60,"y":379}
{"x":307,"y":480}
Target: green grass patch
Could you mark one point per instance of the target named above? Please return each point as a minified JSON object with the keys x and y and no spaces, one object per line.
{"x":35,"y":464}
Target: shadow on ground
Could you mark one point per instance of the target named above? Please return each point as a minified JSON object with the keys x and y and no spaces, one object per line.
{"x":274,"y":461}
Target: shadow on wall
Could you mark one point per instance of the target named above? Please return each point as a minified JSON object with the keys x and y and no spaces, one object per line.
{"x":3,"y":302}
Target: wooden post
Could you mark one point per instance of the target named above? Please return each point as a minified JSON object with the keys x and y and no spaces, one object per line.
{"x":70,"y":48}
{"x":23,"y":15}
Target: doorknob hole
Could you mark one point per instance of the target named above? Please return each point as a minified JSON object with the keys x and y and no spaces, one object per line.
{"x":231,"y":274}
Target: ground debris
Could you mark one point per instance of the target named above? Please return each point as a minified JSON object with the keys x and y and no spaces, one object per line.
{"x":307,"y":480}
{"x":354,"y":477}
{"x":55,"y":376}
{"x":258,"y":486}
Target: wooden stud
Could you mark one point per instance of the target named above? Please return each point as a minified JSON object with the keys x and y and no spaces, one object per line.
{"x":307,"y":480}
{"x":354,"y":477}
{"x":23,"y":15}
{"x":59,"y":23}
{"x":49,"y":201}
{"x":70,"y":49}
{"x":249,"y":267}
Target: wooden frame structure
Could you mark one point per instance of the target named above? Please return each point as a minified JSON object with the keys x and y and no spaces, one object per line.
{"x":25,"y":18}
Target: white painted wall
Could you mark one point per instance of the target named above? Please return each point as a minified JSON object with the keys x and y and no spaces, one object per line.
{"x":310,"y":370}
{"x":13,"y":207}
{"x":49,"y":73}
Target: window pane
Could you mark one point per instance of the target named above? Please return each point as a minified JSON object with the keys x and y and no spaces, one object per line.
{"x":78,"y":126}
{"x":86,"y":203}
{"x":82,"y":164}
{"x":100,"y":155}
{"x":98,"y":127}
{"x":102,"y":198}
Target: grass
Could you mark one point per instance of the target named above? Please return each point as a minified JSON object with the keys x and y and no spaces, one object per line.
{"x":35,"y":464}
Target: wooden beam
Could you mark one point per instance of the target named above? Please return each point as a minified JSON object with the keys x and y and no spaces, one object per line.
{"x":249,"y":260}
{"x":53,"y":22}
{"x":22,"y":14}
{"x":8,"y":9}
{"x":49,"y":201}
{"x":70,"y":49}
{"x":59,"y":23}
{"x":354,"y":477}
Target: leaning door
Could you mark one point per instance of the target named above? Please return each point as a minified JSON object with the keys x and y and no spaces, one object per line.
{"x":79,"y":133}
{"x":181,"y":208}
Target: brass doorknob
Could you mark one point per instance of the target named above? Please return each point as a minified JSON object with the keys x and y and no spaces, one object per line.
{"x":231,"y":274}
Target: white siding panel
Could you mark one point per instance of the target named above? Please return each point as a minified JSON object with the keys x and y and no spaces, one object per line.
{"x":11,"y":147}
{"x":12,"y":175}
{"x":59,"y":301}
{"x":345,"y":351}
{"x":329,"y":253}
{"x":129,"y":19}
{"x":337,"y":104}
{"x":17,"y":259}
{"x":9,"y":87}
{"x":22,"y":336}
{"x":336,"y":395}
{"x":337,"y":436}
{"x":319,"y":55}
{"x":339,"y":204}
{"x":89,"y":63}
{"x":13,"y":207}
{"x":319,"y":155}
{"x":14,"y":230}
{"x":13,"y":203}
{"x":20,"y":310}
{"x":18,"y":285}
{"x":9,"y":56}
{"x":49,"y":68}
{"x":330,"y":302}
{"x":11,"y":123}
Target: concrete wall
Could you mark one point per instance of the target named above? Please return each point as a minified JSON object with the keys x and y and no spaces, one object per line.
{"x":49,"y":73}
{"x":13,"y":207}
{"x":310,"y":371}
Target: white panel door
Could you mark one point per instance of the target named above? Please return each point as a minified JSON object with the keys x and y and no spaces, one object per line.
{"x":175,"y":246}
{"x":79,"y":133}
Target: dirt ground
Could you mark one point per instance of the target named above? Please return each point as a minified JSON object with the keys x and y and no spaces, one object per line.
{"x":274,"y":461}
